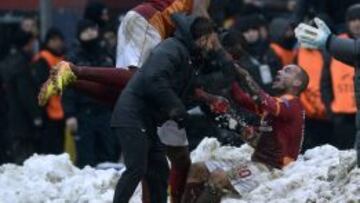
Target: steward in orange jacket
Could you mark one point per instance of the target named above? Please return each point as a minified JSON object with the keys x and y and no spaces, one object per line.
{"x":53,"y":136}
{"x":343,"y":104}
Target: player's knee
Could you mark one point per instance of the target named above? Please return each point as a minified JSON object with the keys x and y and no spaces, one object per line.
{"x":219,"y":179}
{"x":198,"y":172}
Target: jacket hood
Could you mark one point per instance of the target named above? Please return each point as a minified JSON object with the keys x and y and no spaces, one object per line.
{"x":94,"y":11}
{"x":278,"y":28}
{"x":183,"y":25}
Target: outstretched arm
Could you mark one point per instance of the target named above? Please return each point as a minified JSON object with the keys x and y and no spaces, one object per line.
{"x":344,"y":50}
{"x":320,"y":37}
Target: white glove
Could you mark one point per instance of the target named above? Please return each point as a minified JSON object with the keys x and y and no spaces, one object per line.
{"x":170,"y":134}
{"x":72,"y":124}
{"x":312,"y":37}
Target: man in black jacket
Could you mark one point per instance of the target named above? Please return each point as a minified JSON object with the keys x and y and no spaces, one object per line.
{"x":24,"y":117}
{"x":344,"y":50}
{"x":84,"y":116}
{"x":157,"y":93}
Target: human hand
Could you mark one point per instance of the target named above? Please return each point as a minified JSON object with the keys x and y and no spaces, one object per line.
{"x":313,"y":37}
{"x":219,"y":105}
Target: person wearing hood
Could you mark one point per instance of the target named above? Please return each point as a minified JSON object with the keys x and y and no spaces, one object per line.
{"x":146,"y":25}
{"x":343,"y":49}
{"x":23,"y":116}
{"x":169,"y":72}
{"x":283,"y":40}
{"x":98,"y":13}
{"x":87,"y":119}
{"x":260,"y":60}
{"x":52,"y":52}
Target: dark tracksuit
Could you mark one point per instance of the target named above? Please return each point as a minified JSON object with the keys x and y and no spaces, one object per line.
{"x":348,"y":51}
{"x":22,"y":105}
{"x":155,"y":93}
{"x":94,"y":140}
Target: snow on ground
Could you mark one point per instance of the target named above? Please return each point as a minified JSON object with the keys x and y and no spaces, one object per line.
{"x":320,"y":175}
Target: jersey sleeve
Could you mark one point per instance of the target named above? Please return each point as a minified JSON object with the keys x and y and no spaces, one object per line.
{"x":279,"y":107}
{"x":242,"y":98}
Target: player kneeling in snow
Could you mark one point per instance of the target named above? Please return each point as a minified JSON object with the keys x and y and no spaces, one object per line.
{"x":277,"y":141}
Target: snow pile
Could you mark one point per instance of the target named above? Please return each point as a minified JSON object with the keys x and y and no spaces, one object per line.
{"x":54,"y":179}
{"x":320,"y":175}
{"x":323,"y":174}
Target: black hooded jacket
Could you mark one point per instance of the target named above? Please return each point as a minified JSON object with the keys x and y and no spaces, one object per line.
{"x":20,"y":91}
{"x":159,"y":90}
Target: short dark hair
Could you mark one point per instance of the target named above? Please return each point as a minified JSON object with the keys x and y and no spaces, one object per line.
{"x":201,"y":27}
{"x":232,"y":38}
{"x":304,"y":77}
{"x":53,"y":33}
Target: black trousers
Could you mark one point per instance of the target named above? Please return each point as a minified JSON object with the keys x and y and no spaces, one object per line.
{"x":317,"y":132}
{"x":95,"y":142}
{"x":344,"y":131}
{"x":144,"y":157}
{"x":52,"y":138}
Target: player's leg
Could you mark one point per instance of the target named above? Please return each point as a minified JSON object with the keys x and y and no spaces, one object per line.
{"x":180,"y":163}
{"x":197,"y":176}
{"x":117,"y":78}
{"x":66,"y":74}
{"x":102,"y":93}
{"x":215,"y":188}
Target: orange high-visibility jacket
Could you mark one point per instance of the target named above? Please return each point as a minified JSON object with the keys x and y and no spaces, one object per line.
{"x":286,"y":56}
{"x":342,"y":77}
{"x":54,"y":107}
{"x":312,"y":62}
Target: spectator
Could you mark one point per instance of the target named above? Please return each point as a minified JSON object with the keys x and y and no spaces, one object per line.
{"x":53,"y":116}
{"x":88,"y":119}
{"x":98,"y":13}
{"x":24,"y":117}
{"x":110,"y":42}
{"x":29,"y":24}
{"x":343,"y":105}
{"x":261,"y":61}
{"x":345,"y":50}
